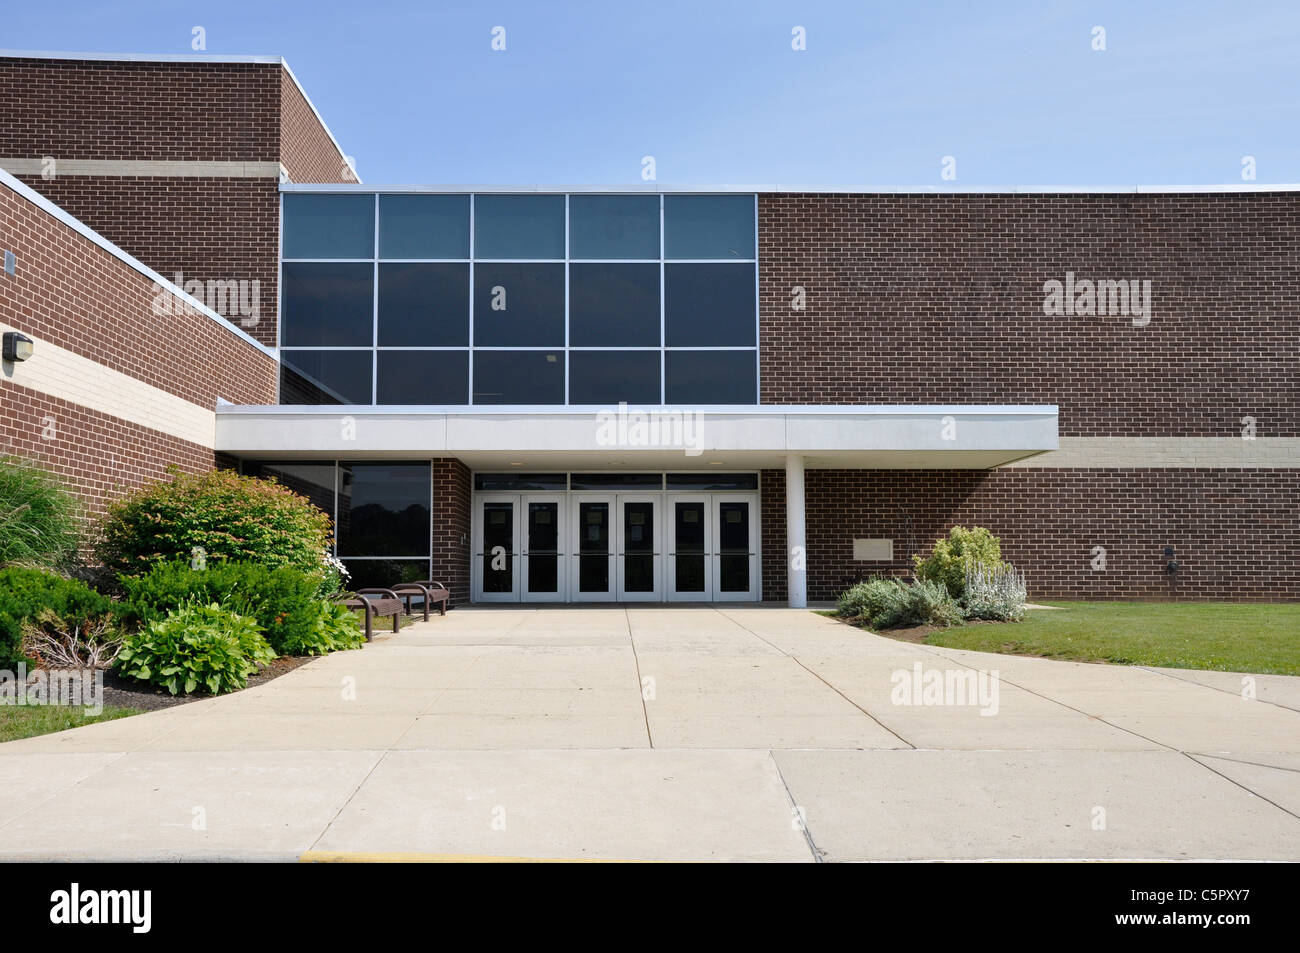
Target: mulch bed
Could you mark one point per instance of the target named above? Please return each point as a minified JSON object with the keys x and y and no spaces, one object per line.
{"x":129,"y":693}
{"x":918,"y":633}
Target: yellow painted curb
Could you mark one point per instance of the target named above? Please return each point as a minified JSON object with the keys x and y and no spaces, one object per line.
{"x":398,"y":857}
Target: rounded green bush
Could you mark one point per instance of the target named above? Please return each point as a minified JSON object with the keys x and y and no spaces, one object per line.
{"x":38,"y":516}
{"x":196,"y":646}
{"x":207,"y":516}
{"x":951,"y":557}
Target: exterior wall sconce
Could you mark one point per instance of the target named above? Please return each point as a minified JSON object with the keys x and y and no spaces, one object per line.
{"x":17,"y":347}
{"x":1171,"y":565}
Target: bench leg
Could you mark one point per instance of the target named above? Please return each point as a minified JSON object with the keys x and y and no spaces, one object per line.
{"x":369,"y":612}
{"x":397,"y":621}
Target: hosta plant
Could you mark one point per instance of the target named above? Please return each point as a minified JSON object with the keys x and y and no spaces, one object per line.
{"x":196,"y":646}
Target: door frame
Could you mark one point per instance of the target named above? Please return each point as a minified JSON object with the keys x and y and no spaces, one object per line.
{"x":476,"y":548}
{"x":670,"y":546}
{"x":575,"y":554}
{"x":656,"y":499}
{"x":561,"y":593}
{"x":715,"y":561}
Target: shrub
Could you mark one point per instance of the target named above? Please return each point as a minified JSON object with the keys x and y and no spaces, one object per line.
{"x":948,"y":561}
{"x":866,"y":599}
{"x":335,"y":629}
{"x":996,"y":593}
{"x":196,"y":646}
{"x":283,"y":600}
{"x":38,"y":517}
{"x":25,"y":593}
{"x":215,"y":515}
{"x":890,"y":604}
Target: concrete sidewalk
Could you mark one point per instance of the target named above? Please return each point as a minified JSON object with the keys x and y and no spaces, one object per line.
{"x":669,"y":733}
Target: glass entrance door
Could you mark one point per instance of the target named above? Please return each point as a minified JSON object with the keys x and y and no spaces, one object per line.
{"x":689,"y":539}
{"x":593,"y":548}
{"x":495,"y":553}
{"x":543,"y":565}
{"x":735,"y":557}
{"x":639,"y":548}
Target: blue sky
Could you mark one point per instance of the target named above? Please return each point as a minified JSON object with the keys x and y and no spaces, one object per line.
{"x":713,"y":91}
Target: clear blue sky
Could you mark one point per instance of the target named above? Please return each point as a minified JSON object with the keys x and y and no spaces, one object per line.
{"x":1013,"y":90}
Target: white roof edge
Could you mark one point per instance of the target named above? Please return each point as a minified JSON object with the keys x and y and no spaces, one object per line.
{"x":90,"y":234}
{"x":186,"y":58}
{"x":815,"y":189}
{"x":577,"y":410}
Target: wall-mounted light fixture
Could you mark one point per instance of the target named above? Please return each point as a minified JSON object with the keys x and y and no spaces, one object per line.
{"x":17,"y":347}
{"x":1171,"y":565}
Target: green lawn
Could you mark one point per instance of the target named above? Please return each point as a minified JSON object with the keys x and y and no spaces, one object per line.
{"x":1222,"y":636}
{"x":24,"y":721}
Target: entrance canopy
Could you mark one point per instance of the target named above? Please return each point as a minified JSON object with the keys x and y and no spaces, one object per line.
{"x":872,"y":436}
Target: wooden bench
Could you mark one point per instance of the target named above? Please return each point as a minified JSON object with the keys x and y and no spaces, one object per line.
{"x":389,"y":604}
{"x":431,"y":591}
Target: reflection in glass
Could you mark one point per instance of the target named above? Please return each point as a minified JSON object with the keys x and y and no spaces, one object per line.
{"x":519,"y":377}
{"x":325,"y":377}
{"x":424,"y":377}
{"x":614,"y":226}
{"x":709,"y":226}
{"x":383,"y":509}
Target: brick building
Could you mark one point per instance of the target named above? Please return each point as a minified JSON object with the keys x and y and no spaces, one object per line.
{"x":646,"y":394}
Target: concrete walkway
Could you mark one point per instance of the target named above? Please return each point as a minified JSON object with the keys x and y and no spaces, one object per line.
{"x":672,"y":734}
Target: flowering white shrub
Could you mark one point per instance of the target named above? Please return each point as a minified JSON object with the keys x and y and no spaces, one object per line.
{"x":995,"y":592}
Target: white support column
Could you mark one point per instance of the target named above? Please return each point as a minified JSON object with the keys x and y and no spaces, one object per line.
{"x":796,"y":543}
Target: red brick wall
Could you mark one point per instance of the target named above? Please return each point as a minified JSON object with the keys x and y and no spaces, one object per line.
{"x":452,"y":487}
{"x":937,"y":299}
{"x":71,"y":292}
{"x":99,"y":457}
{"x":207,"y":228}
{"x":1234,"y":531}
{"x":306,"y":149}
{"x":89,"y":109}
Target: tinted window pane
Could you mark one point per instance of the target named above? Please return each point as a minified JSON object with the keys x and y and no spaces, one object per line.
{"x":327,"y":304}
{"x":709,"y":305}
{"x":713,"y":481}
{"x":315,"y":481}
{"x":607,"y":377}
{"x":383,"y":509}
{"x":325,"y":377}
{"x":518,"y":305}
{"x":603,"y":481}
{"x":614,"y":305}
{"x":519,"y":377}
{"x":709,"y":226}
{"x":519,"y":226}
{"x":613,"y":226}
{"x":710,"y":377}
{"x":423,"y":377}
{"x":521,"y":481}
{"x":329,"y":226}
{"x":424,"y":226}
{"x":376,"y":573}
{"x":423,"y":305}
